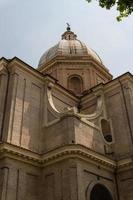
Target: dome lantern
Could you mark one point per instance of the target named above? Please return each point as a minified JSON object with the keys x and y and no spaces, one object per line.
{"x":69,"y":35}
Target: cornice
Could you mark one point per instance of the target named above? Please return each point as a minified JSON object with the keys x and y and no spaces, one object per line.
{"x":18,"y":153}
{"x":4,"y":60}
{"x":125,"y":164}
{"x":16,"y":62}
{"x":3,"y":66}
{"x":66,"y":92}
{"x":78,"y":60}
{"x":80,"y":152}
{"x":91,"y":94}
{"x":56,"y":155}
{"x":62,"y":153}
{"x":113,"y":84}
{"x":109,"y":86}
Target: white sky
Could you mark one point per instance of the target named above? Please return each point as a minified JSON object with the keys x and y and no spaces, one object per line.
{"x":29,"y":27}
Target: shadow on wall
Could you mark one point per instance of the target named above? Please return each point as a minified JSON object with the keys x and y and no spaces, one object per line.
{"x":26,"y":112}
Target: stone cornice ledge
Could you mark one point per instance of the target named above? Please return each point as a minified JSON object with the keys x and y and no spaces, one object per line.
{"x":61,"y":153}
{"x":125,"y":164}
{"x":78,"y":151}
{"x":67,"y":151}
{"x":18,"y":153}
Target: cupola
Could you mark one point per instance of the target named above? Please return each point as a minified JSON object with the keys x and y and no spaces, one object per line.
{"x":75,"y":66}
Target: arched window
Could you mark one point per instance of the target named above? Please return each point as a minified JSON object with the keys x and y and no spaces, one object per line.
{"x":75,"y":84}
{"x":100,"y":192}
{"x":106,"y":130}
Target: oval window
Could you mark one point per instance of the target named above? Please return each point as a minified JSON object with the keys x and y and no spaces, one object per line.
{"x":106,"y":130}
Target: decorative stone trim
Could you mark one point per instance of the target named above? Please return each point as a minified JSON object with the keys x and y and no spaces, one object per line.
{"x":18,"y":153}
{"x":76,"y":151}
{"x":61,"y":153}
{"x":125,"y":164}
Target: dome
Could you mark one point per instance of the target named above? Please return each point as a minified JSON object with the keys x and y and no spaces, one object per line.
{"x":69,"y":46}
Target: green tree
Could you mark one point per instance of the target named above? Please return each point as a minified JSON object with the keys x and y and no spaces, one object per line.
{"x":124,"y":7}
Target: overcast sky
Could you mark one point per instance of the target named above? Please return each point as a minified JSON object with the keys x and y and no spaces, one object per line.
{"x":29,"y":27}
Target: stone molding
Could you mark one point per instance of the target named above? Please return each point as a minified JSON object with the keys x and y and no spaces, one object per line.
{"x":76,"y":60}
{"x":125,"y":164}
{"x":62,"y":153}
{"x":68,"y":151}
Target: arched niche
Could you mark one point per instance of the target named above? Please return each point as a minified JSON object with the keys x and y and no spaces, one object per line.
{"x":75,"y":84}
{"x":106,"y":130}
{"x":100,"y":192}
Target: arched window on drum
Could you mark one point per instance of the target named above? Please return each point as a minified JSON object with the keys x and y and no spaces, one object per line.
{"x":75,"y":84}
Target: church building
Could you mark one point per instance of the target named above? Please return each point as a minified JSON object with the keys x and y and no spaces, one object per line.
{"x":66,"y":129}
